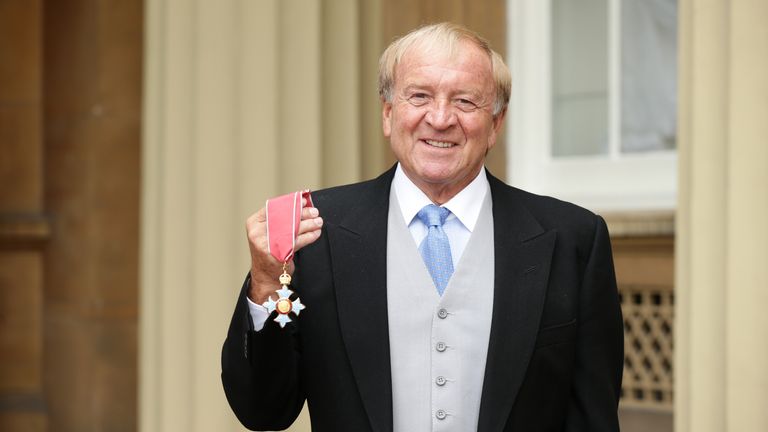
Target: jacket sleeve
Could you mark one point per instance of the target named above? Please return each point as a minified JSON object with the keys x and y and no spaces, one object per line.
{"x":259,"y":371}
{"x":600,"y":346}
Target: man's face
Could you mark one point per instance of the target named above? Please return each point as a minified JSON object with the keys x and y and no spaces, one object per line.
{"x":440,"y":122}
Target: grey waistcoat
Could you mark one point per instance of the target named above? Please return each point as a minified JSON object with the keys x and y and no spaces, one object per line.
{"x":438,"y":345}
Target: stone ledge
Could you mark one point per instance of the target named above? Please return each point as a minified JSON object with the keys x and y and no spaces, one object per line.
{"x":641,"y":224}
{"x":24,"y":228}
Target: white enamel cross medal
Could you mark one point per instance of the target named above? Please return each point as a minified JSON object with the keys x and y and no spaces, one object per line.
{"x":283,"y":218}
{"x":284,"y":305}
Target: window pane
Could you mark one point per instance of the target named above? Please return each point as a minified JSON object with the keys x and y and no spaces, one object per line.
{"x":579,"y":77}
{"x":648,"y":75}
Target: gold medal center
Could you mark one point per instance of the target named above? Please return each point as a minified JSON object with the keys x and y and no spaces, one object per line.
{"x":283,"y":306}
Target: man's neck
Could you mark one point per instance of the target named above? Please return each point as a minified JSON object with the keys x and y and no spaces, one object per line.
{"x":440,"y":194}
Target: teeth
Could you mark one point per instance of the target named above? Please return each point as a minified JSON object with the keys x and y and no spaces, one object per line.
{"x":440,"y":144}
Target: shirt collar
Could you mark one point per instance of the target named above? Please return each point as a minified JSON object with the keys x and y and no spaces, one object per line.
{"x":465,"y":205}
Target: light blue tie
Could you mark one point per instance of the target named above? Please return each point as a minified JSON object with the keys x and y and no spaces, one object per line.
{"x":435,"y":249}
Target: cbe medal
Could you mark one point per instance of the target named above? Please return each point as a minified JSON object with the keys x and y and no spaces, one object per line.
{"x":283,"y":218}
{"x":284,"y":305}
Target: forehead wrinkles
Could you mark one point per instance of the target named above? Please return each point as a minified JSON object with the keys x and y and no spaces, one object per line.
{"x":467,"y":71}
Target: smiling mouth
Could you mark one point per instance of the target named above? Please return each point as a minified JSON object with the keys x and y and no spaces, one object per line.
{"x":439,"y":144}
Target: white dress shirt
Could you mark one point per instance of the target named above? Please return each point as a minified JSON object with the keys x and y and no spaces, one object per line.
{"x":464,"y":207}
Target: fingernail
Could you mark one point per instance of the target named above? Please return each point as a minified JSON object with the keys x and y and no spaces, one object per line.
{"x":313,"y":211}
{"x":319,"y":221}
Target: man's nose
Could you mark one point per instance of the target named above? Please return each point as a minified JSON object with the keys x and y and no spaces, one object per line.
{"x":441,"y":115}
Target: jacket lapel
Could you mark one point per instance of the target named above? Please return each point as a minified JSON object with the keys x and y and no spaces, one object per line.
{"x":523,"y":252}
{"x":358,"y":255}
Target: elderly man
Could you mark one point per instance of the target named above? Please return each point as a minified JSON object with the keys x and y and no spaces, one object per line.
{"x":438,"y":297}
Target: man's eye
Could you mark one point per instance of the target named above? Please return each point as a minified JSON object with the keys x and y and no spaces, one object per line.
{"x":418,"y":98}
{"x":466,"y":104}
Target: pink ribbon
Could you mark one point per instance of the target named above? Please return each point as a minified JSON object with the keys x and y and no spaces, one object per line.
{"x":283,"y":217}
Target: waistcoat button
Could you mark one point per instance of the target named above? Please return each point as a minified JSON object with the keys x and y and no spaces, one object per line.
{"x":441,"y":414}
{"x":440,"y":347}
{"x":442,"y":314}
{"x":440,"y":380}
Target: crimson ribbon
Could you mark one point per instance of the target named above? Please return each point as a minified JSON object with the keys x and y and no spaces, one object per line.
{"x":283,"y":217}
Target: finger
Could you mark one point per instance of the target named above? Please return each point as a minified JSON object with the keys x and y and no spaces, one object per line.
{"x":309,"y":212}
{"x":308,"y":225}
{"x":307,"y":238}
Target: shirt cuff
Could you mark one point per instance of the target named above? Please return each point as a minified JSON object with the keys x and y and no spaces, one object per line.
{"x":259,"y":314}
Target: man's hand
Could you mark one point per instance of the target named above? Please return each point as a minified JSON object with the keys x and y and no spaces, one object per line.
{"x":264,"y":267}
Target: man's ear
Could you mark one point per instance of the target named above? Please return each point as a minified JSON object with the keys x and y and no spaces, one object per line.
{"x":498,"y":121}
{"x":386,"y":117}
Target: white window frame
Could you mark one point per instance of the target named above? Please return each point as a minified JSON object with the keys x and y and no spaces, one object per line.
{"x":607,"y":183}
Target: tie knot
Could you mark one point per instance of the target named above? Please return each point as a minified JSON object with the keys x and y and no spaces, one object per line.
{"x":433,"y":215}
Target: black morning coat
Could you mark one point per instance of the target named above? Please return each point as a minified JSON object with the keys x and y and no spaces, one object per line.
{"x":555,"y":352}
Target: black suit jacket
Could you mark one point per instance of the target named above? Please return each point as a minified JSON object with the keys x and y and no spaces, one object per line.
{"x":555,"y":353}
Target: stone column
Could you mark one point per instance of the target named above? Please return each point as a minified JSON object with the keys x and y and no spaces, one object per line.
{"x":24,"y":226}
{"x":243,"y":100}
{"x":722,"y":230}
